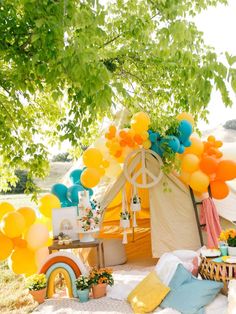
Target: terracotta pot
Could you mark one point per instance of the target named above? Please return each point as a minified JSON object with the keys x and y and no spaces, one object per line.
{"x":39,"y":295}
{"x":99,"y":290}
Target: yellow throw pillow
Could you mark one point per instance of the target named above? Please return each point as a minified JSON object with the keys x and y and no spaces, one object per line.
{"x":148,"y":294}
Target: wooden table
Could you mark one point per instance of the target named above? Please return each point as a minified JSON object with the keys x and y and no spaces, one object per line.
{"x":218,"y":271}
{"x":77,"y":244}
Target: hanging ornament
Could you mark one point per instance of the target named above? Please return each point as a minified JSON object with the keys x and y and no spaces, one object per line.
{"x":124,"y":217}
{"x":135,"y":205}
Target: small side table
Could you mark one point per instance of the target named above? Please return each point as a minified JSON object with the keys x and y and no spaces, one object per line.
{"x":77,"y":244}
{"x":218,"y":271}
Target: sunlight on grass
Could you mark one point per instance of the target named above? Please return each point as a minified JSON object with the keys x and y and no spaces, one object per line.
{"x":14,"y":297}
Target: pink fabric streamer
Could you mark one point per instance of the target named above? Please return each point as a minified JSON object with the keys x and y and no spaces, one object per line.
{"x":209,"y":217}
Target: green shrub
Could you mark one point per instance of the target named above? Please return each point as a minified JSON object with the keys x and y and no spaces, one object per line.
{"x":63,"y":157}
{"x":21,"y":184}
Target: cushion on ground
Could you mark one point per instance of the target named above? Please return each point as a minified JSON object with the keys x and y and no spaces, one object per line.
{"x":148,"y":294}
{"x":189,"y":295}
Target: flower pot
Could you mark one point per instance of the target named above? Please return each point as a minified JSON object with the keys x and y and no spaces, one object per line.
{"x":83,"y":295}
{"x":125,"y":223}
{"x":135,"y":207}
{"x":99,"y":290}
{"x":231,"y":251}
{"x":38,"y":295}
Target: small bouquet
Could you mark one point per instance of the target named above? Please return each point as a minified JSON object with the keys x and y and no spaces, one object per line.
{"x":100,"y":276}
{"x":36,"y":282}
{"x":90,"y":220}
{"x":82,"y":282}
{"x":229,"y":236}
{"x":135,"y":203}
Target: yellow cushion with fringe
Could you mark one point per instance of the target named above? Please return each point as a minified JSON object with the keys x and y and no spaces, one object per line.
{"x":148,"y":294}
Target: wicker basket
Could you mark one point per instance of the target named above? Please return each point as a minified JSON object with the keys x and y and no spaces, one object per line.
{"x":217,"y":271}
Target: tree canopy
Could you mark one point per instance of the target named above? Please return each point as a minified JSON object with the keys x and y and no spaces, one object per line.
{"x":66,"y":63}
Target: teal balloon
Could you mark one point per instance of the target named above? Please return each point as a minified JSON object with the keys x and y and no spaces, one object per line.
{"x":90,"y":191}
{"x":72,"y":193}
{"x":75,"y":176}
{"x":181,"y":149}
{"x":187,"y":143}
{"x":66,"y":204}
{"x":156,"y":148}
{"x":60,"y":190}
{"x":172,"y":142}
{"x":185,"y":130}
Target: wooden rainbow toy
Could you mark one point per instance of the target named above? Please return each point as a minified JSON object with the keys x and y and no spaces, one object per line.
{"x":67,"y":264}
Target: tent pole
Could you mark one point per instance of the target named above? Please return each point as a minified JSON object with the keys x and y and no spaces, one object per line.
{"x":196,"y":215}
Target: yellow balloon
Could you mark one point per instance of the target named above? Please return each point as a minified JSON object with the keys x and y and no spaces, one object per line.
{"x":6,"y":247}
{"x":92,"y":158}
{"x":37,"y":236}
{"x":90,"y":177}
{"x":101,"y":171}
{"x":190,"y":163}
{"x":147,"y":144}
{"x":141,"y":117}
{"x":199,"y":181}
{"x":139,"y":127}
{"x":185,"y":116}
{"x":185,"y":177}
{"x":47,"y":203}
{"x":45,"y":221}
{"x":196,"y":148}
{"x":5,"y":208}
{"x":29,"y":215}
{"x":13,"y":224}
{"x":22,"y":261}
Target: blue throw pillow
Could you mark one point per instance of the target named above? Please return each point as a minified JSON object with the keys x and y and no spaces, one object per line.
{"x":188,"y":294}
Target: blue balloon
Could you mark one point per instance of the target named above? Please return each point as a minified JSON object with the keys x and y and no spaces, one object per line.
{"x":156,"y":148}
{"x":67,"y":204}
{"x":187,"y":143}
{"x":172,"y":142}
{"x":185,"y":130}
{"x":181,"y":149}
{"x":90,"y":191}
{"x":75,"y":176}
{"x":60,"y":190}
{"x":153,"y":137}
{"x":72,"y":193}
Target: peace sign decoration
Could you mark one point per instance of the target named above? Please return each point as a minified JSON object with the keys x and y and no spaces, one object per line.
{"x":142,"y":156}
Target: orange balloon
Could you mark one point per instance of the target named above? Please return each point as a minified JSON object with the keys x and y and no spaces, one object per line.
{"x":219,"y":189}
{"x":208,"y":164}
{"x":226,"y":170}
{"x":19,"y":242}
{"x":6,"y":247}
{"x":196,"y":148}
{"x":199,"y":181}
{"x":190,"y":163}
{"x":90,"y":177}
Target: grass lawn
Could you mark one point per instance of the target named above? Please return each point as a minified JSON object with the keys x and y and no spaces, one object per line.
{"x":14,"y":297}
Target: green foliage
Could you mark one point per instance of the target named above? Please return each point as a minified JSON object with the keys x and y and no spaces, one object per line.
{"x":63,"y":157}
{"x":64,"y":64}
{"x":23,"y":183}
{"x":36,"y":282}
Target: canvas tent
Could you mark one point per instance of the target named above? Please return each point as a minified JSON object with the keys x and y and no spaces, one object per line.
{"x":167,"y":220}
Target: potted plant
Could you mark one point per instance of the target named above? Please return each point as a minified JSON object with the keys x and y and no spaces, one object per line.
{"x":229,"y":237}
{"x":37,"y":285}
{"x":83,"y":285}
{"x":135,"y":203}
{"x":99,"y":279}
{"x":125,"y":219}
